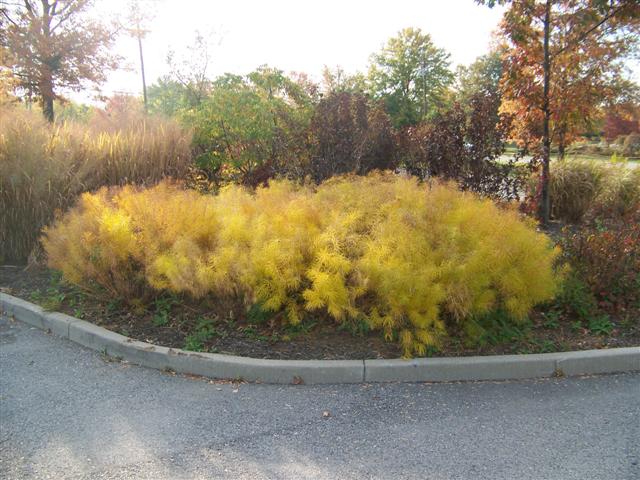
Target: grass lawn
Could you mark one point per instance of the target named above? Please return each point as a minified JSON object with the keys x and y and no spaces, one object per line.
{"x":632,"y":162}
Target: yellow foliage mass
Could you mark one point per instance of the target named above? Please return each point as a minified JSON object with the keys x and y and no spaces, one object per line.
{"x":410,"y":259}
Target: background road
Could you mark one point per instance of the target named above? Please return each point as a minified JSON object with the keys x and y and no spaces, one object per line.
{"x":68,"y":413}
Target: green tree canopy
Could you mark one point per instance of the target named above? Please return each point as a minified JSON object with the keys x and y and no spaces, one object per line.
{"x":168,"y":97}
{"x":482,"y":76}
{"x":411,"y":75}
{"x":251,"y":126}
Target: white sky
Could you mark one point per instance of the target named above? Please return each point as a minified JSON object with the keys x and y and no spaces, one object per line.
{"x":296,"y":35}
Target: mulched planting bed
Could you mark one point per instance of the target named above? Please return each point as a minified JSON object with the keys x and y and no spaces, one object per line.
{"x":216,"y":327}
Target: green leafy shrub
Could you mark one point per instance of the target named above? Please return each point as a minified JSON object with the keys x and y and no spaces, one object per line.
{"x":414,"y":261}
{"x":250,"y":128}
{"x":576,"y":298}
{"x":43,"y":168}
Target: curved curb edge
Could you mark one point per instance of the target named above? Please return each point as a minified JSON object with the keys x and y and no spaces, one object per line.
{"x":213,"y":365}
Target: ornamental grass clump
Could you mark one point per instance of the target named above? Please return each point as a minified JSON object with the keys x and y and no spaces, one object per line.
{"x":415,"y":261}
{"x":587,"y":188}
{"x":44,"y":167}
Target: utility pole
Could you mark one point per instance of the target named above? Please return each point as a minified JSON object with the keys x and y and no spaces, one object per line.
{"x":144,"y":82}
{"x":139,"y":14}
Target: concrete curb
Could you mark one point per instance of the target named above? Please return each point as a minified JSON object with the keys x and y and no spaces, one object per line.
{"x":498,"y":367}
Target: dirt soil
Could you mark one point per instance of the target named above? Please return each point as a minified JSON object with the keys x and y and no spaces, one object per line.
{"x":215,"y":327}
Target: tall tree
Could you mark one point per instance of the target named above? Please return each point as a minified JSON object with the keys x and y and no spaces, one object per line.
{"x":478,"y":91}
{"x":482,"y":76}
{"x":411,"y":75}
{"x":167,"y":96}
{"x":336,"y":80}
{"x":463,"y":144}
{"x":192,"y":70}
{"x":563,"y":61}
{"x":619,"y":122}
{"x":55,"y":46}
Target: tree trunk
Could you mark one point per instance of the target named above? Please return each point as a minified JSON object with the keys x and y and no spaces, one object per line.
{"x":561,"y":150}
{"x":545,"y":203}
{"x":46,"y":74}
{"x":562,"y":141}
{"x":47,"y":107}
{"x":46,"y":93}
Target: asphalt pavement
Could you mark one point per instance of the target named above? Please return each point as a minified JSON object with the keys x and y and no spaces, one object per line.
{"x":69,"y":413}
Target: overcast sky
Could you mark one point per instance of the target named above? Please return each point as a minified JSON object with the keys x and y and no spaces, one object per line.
{"x":297,"y":35}
{"x":292,"y":35}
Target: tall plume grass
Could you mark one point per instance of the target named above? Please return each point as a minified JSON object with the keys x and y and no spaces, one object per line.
{"x":585,"y":187}
{"x":43,"y":168}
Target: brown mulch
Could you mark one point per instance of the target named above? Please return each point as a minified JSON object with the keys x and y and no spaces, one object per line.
{"x":231,"y":332}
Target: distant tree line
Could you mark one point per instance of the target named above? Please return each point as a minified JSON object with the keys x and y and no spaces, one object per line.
{"x":556,"y":72}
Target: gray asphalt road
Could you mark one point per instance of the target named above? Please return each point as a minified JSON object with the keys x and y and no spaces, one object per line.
{"x":67,"y":413}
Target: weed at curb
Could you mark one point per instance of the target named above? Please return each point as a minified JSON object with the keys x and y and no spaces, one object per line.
{"x":600,"y":325}
{"x":203,"y":332}
{"x":104,"y":355}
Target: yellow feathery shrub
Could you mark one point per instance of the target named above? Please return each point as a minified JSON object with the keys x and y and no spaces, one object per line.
{"x":415,"y":261}
{"x":351,"y":208}
{"x":128,"y":239}
{"x":283,"y":229}
{"x":95,"y":242}
{"x":176,"y":230}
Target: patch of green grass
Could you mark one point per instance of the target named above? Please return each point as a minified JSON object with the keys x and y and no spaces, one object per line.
{"x":203,"y":332}
{"x":53,"y":300}
{"x":357,"y":327}
{"x":431,"y":351}
{"x":49,"y":300}
{"x":253,"y":334}
{"x":162,"y":309}
{"x":495,"y":328}
{"x":114,"y":305}
{"x":576,"y":298}
{"x":545,"y":346}
{"x":302,"y":328}
{"x":55,"y":278}
{"x":257,"y":315}
{"x":600,"y":325}
{"x":576,"y":326}
{"x":552,"y":320}
{"x":160,"y":319}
